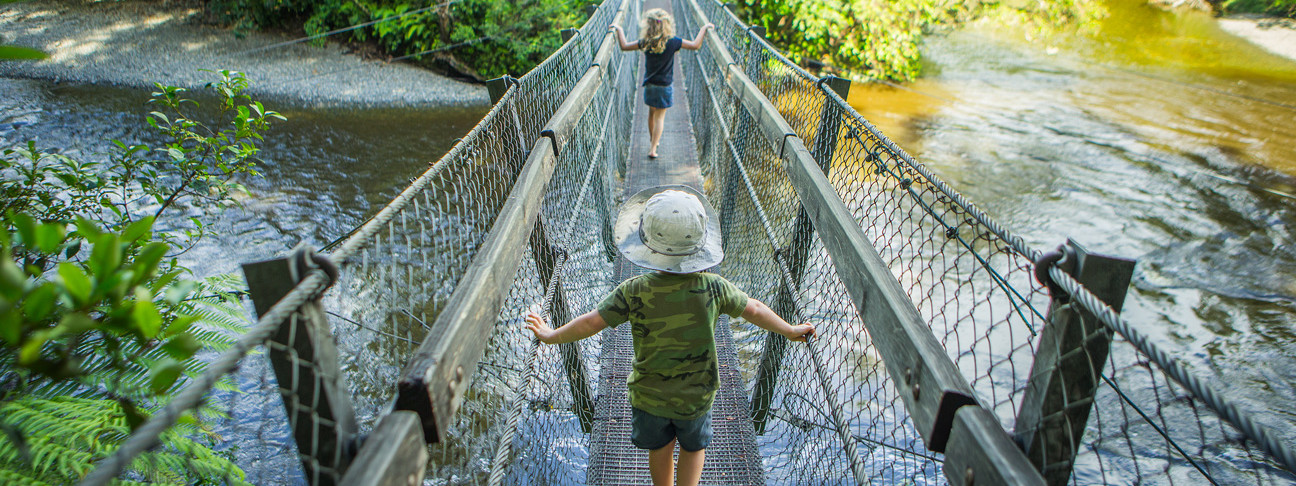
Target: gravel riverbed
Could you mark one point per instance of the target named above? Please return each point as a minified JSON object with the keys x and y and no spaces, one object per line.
{"x":136,"y":43}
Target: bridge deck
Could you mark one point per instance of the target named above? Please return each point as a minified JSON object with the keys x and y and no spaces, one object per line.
{"x":732,"y":457}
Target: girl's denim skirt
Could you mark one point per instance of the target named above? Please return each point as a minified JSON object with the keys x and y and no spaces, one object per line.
{"x":657,"y":96}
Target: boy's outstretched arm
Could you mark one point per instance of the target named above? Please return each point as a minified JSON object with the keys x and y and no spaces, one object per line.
{"x":588,"y":324}
{"x":760,"y":314}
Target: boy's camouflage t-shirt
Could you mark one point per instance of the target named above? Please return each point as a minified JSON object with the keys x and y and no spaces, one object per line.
{"x":673,"y":317}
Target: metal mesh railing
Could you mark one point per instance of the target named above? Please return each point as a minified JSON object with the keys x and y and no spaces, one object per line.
{"x":399,"y":269}
{"x":827,"y":412}
{"x":971,"y":280}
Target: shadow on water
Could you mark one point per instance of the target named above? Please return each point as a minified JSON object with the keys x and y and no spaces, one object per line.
{"x":1157,"y":137}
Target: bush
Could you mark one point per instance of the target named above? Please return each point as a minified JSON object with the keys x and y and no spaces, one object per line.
{"x":99,"y":323}
{"x":479,"y":38}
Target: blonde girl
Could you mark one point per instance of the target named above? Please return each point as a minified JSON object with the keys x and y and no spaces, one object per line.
{"x":659,"y":43}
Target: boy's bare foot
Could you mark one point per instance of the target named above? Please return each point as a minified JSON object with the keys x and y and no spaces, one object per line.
{"x":652,"y":156}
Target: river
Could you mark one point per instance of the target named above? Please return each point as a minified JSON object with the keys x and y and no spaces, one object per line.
{"x":1149,"y":135}
{"x":1152,"y":136}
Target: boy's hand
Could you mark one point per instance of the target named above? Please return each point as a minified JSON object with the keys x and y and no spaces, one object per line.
{"x":708,"y":25}
{"x":614,"y":27}
{"x":801,"y":332}
{"x":537,"y":325}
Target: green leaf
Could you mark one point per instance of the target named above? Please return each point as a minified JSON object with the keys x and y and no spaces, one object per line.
{"x":106,"y":256}
{"x":31,"y":350}
{"x":179,"y":291}
{"x":26,"y":227}
{"x":137,"y":229}
{"x":88,"y":229}
{"x":146,"y":262}
{"x":145,"y":314}
{"x":12,"y":279}
{"x":76,"y":323}
{"x":41,"y":302}
{"x":49,"y":237}
{"x":182,"y":346}
{"x":164,"y":374}
{"x":16,"y":52}
{"x":76,"y":282}
{"x":73,"y":249}
{"x":10,"y":323}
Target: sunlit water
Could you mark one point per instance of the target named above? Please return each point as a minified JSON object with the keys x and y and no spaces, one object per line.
{"x":1154,"y":136}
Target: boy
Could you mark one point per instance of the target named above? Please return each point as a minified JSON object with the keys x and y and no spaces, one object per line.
{"x":671,"y":229}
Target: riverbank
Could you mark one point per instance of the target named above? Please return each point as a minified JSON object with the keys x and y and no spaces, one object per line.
{"x":1276,"y":35}
{"x":136,"y":43}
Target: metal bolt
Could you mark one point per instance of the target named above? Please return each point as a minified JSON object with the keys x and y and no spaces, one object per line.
{"x":459,"y":374}
{"x":915,"y":391}
{"x":908,"y":376}
{"x":968,"y":477}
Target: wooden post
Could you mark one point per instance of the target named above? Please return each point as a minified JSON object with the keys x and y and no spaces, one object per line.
{"x":305,"y":362}
{"x":546,"y":259}
{"x":394,"y":454}
{"x":1068,"y":365}
{"x":496,"y":88}
{"x":567,"y":34}
{"x":794,"y":256}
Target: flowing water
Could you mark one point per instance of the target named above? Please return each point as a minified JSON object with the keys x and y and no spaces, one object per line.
{"x":1151,"y":135}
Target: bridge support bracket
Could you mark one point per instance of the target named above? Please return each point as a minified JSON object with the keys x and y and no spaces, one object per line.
{"x":305,"y":361}
{"x":1069,"y":364}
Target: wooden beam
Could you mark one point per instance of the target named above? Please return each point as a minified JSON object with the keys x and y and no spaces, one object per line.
{"x":1068,"y":365}
{"x":981,"y":453}
{"x":931,"y":386}
{"x":395,"y":454}
{"x":435,"y":379}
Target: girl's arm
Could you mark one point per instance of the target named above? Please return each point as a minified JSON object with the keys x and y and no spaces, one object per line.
{"x":588,"y":324}
{"x":625,"y":46}
{"x":696,"y":43}
{"x":759,"y":314}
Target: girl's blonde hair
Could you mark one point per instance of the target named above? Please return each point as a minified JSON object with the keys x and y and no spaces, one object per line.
{"x":656,"y":28}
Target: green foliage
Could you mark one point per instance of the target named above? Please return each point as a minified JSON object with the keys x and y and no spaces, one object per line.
{"x":481,"y":38}
{"x":97,"y":317}
{"x":19,"y":52}
{"x":881,"y":39}
{"x":1284,"y":8}
{"x":863,"y":39}
{"x":49,"y":444}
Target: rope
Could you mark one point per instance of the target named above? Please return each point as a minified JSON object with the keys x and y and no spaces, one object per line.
{"x":1226,"y":409}
{"x":1015,"y":241}
{"x":504,"y":448}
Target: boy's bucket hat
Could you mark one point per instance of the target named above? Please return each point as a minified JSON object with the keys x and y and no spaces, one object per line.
{"x":669,"y":228}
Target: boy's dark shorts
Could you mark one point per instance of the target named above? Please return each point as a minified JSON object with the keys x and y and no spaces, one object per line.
{"x":657,"y":96}
{"x":648,"y":431}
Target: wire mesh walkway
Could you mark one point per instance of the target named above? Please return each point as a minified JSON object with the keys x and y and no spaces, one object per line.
{"x":732,"y":457}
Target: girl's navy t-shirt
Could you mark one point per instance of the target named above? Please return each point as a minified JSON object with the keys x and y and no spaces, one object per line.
{"x":659,"y":68}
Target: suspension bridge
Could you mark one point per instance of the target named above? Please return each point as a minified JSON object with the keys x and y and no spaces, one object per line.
{"x":949,"y":351}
